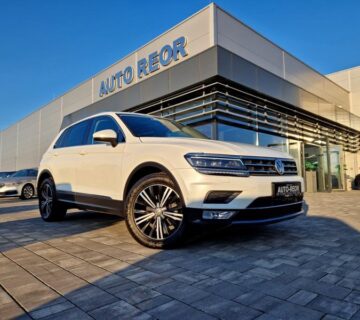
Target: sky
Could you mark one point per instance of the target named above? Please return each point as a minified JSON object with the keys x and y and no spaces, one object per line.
{"x":47,"y":47}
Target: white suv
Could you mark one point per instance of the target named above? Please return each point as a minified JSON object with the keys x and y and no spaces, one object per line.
{"x":162,"y":176}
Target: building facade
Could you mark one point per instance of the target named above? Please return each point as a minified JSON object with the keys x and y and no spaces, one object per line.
{"x":215,"y":73}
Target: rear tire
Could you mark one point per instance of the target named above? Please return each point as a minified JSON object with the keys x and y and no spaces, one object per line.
{"x":27,"y":192}
{"x":50,"y":208}
{"x":154,"y":212}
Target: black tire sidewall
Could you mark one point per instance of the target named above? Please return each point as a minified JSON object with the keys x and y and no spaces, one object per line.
{"x":58,"y":212}
{"x":156,"y":178}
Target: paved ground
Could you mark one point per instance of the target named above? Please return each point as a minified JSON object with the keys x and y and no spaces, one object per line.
{"x":89,"y":267}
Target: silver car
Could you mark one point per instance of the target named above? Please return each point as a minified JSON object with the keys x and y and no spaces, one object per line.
{"x":22,"y":183}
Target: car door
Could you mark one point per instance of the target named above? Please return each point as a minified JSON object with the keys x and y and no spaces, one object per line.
{"x":66,"y":158}
{"x":99,"y":176}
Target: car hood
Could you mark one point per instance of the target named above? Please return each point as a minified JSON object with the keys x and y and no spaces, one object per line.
{"x":215,"y":146}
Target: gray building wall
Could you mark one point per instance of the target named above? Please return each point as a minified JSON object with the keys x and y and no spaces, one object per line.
{"x":350,"y":80}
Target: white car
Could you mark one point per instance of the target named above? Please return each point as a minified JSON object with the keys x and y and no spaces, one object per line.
{"x":162,"y":176}
{"x":22,"y":183}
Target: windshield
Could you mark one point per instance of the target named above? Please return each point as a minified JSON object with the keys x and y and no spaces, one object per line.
{"x":143,"y":126}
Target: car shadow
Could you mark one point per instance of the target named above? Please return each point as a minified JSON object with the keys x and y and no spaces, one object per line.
{"x":95,"y":268}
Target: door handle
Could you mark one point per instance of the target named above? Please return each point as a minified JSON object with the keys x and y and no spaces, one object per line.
{"x":82,"y":153}
{"x":55,"y":154}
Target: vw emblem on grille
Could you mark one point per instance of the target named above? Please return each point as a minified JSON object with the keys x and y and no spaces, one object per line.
{"x":279,"y":167}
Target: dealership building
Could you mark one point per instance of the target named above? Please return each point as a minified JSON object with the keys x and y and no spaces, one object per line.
{"x":218,"y":75}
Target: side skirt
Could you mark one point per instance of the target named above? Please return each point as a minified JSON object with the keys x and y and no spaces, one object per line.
{"x":91,"y":202}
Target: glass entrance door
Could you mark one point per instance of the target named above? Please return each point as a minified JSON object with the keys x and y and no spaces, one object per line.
{"x":336,"y":167}
{"x":315,"y":167}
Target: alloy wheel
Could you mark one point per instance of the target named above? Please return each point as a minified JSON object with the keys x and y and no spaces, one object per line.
{"x":28,"y":192}
{"x":158,"y":211}
{"x":46,"y":200}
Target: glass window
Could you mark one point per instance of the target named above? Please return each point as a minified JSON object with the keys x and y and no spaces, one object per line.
{"x":144,"y":126}
{"x":74,"y":136}
{"x":236,"y":134}
{"x":32,"y":173}
{"x":104,"y":123}
{"x":205,"y":129}
{"x":19,"y":174}
{"x":272,"y":141}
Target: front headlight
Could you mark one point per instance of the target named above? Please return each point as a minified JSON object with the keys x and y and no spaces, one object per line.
{"x":217,"y":164}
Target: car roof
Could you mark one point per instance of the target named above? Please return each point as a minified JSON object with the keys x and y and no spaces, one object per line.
{"x":107,"y":113}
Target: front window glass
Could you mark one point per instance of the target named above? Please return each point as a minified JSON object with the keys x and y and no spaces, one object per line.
{"x":104,"y":123}
{"x":74,"y":136}
{"x":144,"y":126}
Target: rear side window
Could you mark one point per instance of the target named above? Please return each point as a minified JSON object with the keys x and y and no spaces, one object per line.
{"x":104,"y":123}
{"x":76,"y":135}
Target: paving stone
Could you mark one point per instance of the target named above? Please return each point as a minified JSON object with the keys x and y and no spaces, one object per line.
{"x":354,"y":297}
{"x":250,"y":297}
{"x":182,"y":292}
{"x":116,"y":310}
{"x":45,"y":310}
{"x":322,"y":288}
{"x":175,"y":310}
{"x":90,"y":297}
{"x":70,"y":314}
{"x":153,"y":302}
{"x":330,"y":278}
{"x":302,"y":297}
{"x":338,"y":308}
{"x":137,"y":294}
{"x":189,"y":277}
{"x":286,"y":310}
{"x":225,"y":309}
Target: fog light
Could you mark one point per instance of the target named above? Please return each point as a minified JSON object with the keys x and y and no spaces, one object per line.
{"x":217,"y":215}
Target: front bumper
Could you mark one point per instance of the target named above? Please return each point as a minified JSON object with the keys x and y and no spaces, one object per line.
{"x":195,"y":186}
{"x":252,"y":215}
{"x":8,"y":191}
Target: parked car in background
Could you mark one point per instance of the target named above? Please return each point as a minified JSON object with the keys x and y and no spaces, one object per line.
{"x":6,"y":174}
{"x":22,"y":183}
{"x":162,"y":176}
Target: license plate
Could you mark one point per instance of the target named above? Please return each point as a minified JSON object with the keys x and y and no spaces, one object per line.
{"x":287,"y":189}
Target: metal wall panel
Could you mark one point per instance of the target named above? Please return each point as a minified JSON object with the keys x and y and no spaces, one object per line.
{"x":9,"y":149}
{"x":350,"y":79}
{"x":50,"y":122}
{"x":28,"y":142}
{"x":198,"y":31}
{"x":240,"y":39}
{"x":0,"y":149}
{"x":80,"y":97}
{"x":309,"y":102}
{"x":183,"y":75}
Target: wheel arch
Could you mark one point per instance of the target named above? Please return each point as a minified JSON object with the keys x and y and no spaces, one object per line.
{"x":42,"y":176}
{"x":144,"y":169}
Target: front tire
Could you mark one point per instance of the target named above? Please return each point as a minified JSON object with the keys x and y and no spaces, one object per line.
{"x":49,"y":206}
{"x":154,"y":212}
{"x":27,"y":192}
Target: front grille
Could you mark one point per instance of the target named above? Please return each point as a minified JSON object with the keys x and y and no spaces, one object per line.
{"x":258,"y":166}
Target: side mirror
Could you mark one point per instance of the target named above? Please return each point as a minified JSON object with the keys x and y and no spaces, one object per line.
{"x":108,"y":135}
